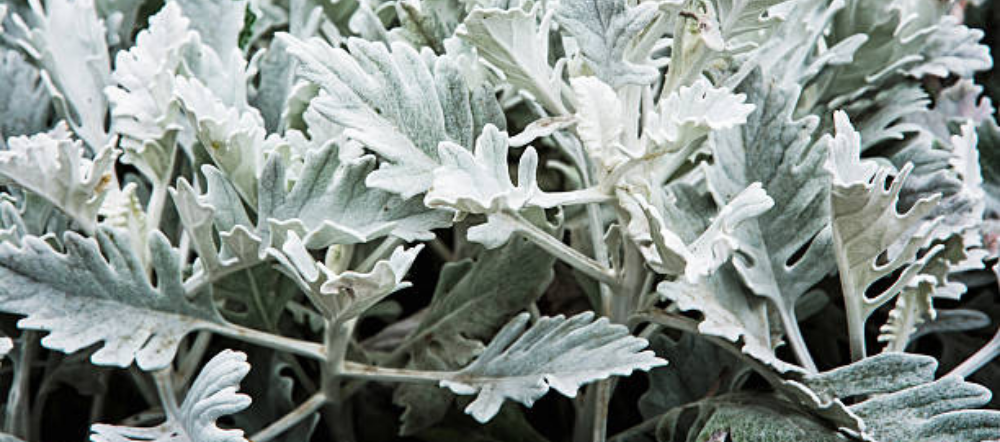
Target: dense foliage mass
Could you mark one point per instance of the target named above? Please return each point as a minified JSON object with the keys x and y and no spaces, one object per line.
{"x":498,"y":220}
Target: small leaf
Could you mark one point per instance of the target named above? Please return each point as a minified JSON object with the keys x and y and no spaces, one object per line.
{"x":666,"y":252}
{"x":67,"y":39}
{"x":600,"y":122}
{"x":212,"y":395}
{"x":52,"y":166}
{"x":514,"y":42}
{"x":555,"y":352}
{"x":143,"y":110}
{"x":472,"y":300}
{"x":479,"y":183}
{"x":693,"y":111}
{"x":353,"y":293}
{"x":234,"y":139}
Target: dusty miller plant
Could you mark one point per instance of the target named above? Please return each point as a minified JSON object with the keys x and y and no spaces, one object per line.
{"x":305,"y":220}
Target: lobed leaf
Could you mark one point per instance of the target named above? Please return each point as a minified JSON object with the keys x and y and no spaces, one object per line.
{"x":212,"y":395}
{"x":522,"y":363}
{"x":98,"y":292}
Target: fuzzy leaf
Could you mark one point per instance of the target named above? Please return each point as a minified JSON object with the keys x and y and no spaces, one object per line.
{"x":522,"y":363}
{"x":83,"y":298}
{"x":600,"y":122}
{"x":514,"y":42}
{"x":605,"y":32}
{"x":217,"y":23}
{"x":693,"y":111}
{"x":330,"y":204}
{"x":472,"y":300}
{"x":904,"y":402}
{"x":52,"y":166}
{"x":68,"y":40}
{"x":866,"y":224}
{"x":730,"y":312}
{"x":479,"y":182}
{"x":212,"y":395}
{"x":953,"y":49}
{"x":739,"y":17}
{"x":235,"y":139}
{"x":395,"y":104}
{"x":24,"y":86}
{"x":777,"y":150}
{"x":666,"y":252}
{"x":143,"y":110}
{"x":347,"y":294}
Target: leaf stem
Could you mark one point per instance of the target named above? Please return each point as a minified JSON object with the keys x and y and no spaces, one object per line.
{"x":795,"y":339}
{"x":158,"y":197}
{"x":193,"y":357}
{"x":165,"y":388}
{"x":375,"y":373}
{"x":291,"y":419}
{"x":853,"y":304}
{"x":560,"y":250}
{"x":246,"y":334}
{"x":202,"y":279}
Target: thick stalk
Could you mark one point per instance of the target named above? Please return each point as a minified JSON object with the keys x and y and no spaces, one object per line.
{"x":336,"y":340}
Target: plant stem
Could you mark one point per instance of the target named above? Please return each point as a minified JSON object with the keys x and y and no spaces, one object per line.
{"x":296,"y":346}
{"x":19,"y":398}
{"x":374,"y":373}
{"x":979,"y":359}
{"x":795,"y":339}
{"x":158,"y":197}
{"x":336,"y":339}
{"x":200,"y":280}
{"x":289,"y":420}
{"x":853,"y":304}
{"x":560,"y":250}
{"x":193,"y":357}
{"x":165,"y":388}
